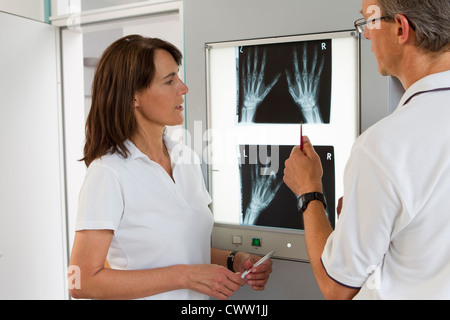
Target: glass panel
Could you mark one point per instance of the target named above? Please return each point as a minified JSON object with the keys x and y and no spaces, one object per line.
{"x":98,"y":4}
{"x":63,"y":7}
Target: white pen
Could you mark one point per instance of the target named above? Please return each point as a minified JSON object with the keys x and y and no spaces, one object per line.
{"x":260,"y":261}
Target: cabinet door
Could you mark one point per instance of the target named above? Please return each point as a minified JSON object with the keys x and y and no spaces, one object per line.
{"x":32,"y":237}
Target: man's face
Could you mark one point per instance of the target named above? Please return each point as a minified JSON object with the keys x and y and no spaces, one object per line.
{"x":381,"y":34}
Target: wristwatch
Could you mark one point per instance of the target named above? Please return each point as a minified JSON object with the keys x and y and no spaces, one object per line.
{"x":230,"y":261}
{"x":305,"y":199}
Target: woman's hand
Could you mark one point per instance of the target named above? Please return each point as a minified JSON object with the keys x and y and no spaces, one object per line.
{"x":213,"y":280}
{"x":259,"y":275}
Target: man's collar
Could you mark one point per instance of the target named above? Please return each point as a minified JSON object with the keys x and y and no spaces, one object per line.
{"x":433,"y":82}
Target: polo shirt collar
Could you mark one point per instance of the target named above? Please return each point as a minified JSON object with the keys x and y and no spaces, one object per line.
{"x":429,"y":83}
{"x":175,"y":150}
{"x":135,"y":153}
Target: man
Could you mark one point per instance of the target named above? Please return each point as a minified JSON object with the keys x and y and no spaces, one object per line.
{"x":392,"y":240}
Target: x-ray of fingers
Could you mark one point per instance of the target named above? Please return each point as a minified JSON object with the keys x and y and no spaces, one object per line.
{"x":265,"y":199}
{"x":284,"y":83}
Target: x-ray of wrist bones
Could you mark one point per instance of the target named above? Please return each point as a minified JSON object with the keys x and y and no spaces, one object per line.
{"x":255,"y":90}
{"x":264,"y":199}
{"x":264,"y":189}
{"x":304,"y":88}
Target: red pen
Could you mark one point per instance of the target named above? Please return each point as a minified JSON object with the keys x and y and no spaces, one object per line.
{"x":301,"y":136}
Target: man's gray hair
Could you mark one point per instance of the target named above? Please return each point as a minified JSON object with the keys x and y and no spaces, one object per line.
{"x":431,"y":19}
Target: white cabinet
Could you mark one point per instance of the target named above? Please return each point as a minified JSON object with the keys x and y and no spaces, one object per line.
{"x":32,"y":231}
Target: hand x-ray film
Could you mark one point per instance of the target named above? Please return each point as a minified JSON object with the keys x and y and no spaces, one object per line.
{"x":259,"y":91}
{"x":284,"y":83}
{"x":266,"y":200}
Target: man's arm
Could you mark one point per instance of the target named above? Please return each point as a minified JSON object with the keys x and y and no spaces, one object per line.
{"x":317,"y":231}
{"x":303,"y":174}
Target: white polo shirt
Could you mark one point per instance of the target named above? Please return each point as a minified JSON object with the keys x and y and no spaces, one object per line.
{"x":393,"y":236}
{"x":156,"y":222}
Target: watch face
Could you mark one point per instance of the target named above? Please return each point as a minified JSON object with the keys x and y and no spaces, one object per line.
{"x":300,"y":203}
{"x":305,"y":199}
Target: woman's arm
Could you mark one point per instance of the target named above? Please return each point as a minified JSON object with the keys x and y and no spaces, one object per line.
{"x":89,"y":253}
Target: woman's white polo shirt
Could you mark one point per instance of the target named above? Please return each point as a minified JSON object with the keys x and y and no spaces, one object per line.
{"x":157,"y":221}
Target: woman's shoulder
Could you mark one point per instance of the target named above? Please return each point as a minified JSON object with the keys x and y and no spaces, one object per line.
{"x":111,"y":162}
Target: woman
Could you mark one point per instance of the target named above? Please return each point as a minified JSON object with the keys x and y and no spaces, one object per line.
{"x":143,"y":206}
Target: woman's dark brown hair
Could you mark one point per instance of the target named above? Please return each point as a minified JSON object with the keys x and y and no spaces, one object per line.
{"x":126,"y":67}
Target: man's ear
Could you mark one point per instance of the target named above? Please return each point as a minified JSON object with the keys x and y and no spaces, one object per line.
{"x":403,"y":29}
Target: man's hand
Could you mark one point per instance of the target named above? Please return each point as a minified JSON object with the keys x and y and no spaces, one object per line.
{"x":303,"y":170}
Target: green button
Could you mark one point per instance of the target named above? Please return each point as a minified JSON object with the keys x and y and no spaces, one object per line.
{"x":256,"y":242}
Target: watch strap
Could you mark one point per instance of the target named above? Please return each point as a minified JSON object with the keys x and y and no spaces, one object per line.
{"x":230,"y":261}
{"x":305,"y":199}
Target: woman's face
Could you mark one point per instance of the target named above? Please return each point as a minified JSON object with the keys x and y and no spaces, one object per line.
{"x":160,"y":103}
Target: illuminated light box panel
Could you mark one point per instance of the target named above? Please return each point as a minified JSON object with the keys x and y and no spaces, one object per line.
{"x":259,"y":91}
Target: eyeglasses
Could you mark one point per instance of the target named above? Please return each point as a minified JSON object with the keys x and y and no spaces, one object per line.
{"x":360,"y":24}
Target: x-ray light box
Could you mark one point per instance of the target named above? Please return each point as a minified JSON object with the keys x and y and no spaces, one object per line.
{"x":259,"y":91}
